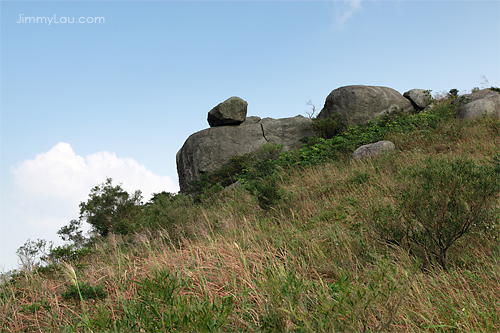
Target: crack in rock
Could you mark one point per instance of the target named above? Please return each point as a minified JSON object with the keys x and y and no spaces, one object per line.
{"x":263,"y":134}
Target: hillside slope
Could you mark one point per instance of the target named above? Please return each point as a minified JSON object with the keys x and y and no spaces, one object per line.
{"x":311,"y":242}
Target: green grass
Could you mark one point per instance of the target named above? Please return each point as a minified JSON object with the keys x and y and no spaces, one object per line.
{"x":296,"y":248}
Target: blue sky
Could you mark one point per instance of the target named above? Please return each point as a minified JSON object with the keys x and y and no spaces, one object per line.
{"x":84,"y":101}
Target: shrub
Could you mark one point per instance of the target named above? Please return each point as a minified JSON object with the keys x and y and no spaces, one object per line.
{"x":453,"y":94}
{"x":82,"y":290}
{"x":73,"y":233}
{"x":444,"y":201}
{"x":157,"y":197}
{"x":50,"y":270}
{"x":168,"y":212}
{"x":110,"y":209}
{"x":327,"y":128}
{"x":69,"y":252}
{"x":386,"y":220}
{"x":256,"y":165}
{"x":225,"y":175}
{"x":266,"y":191}
{"x":33,"y":253}
{"x":268,"y":151}
{"x":264,"y":164}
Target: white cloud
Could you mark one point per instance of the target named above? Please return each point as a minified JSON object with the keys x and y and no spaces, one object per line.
{"x":51,"y":186}
{"x":351,"y":7}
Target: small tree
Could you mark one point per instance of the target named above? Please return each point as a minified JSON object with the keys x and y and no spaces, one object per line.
{"x":446,"y":200}
{"x":73,"y":233}
{"x":110,"y":208}
{"x":453,"y":94}
{"x":32,"y":253}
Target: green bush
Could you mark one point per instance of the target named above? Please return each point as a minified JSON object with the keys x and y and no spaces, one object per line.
{"x":247,"y":167}
{"x":268,"y":151}
{"x":264,"y":164}
{"x":327,"y":128}
{"x":168,"y":212}
{"x":50,"y":270}
{"x":110,"y":209}
{"x":453,"y":94}
{"x":73,"y":233}
{"x":443,"y":202}
{"x":161,"y":196}
{"x":86,"y":291}
{"x":68,"y":253}
{"x":225,"y":175}
{"x":33,"y":253}
{"x":266,"y":191}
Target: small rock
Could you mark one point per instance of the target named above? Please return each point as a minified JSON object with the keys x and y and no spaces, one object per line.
{"x":233,"y":185}
{"x":420,"y":98}
{"x":373,"y":149}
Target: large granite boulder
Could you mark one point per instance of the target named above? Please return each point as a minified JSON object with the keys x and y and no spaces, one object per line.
{"x":419,"y":98}
{"x":474,"y":105}
{"x":211,"y":148}
{"x":359,"y":104}
{"x":232,"y":111}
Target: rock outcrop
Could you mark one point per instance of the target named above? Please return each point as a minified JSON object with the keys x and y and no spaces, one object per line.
{"x":359,"y":104}
{"x":251,"y":120}
{"x":211,"y":148}
{"x":232,"y":111}
{"x":286,"y":131}
{"x":474,"y":105}
{"x":373,"y":149}
{"x":232,"y":133}
{"x":419,"y":98}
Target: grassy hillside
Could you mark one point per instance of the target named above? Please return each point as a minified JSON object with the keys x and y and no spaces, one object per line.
{"x":311,"y":242}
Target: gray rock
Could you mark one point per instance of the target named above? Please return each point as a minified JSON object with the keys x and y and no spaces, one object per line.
{"x":286,"y":131}
{"x":359,"y":104}
{"x":420,"y":98}
{"x":233,"y":185}
{"x":211,"y":148}
{"x":232,"y":111}
{"x":373,"y":149}
{"x":474,"y":105}
{"x":429,"y":107}
{"x":251,"y":120}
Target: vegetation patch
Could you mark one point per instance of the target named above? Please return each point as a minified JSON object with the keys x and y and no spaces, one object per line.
{"x":310,"y":242}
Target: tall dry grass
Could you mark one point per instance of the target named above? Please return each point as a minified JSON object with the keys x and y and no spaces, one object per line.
{"x":311,"y":263}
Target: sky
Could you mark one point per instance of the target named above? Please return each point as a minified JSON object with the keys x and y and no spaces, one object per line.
{"x":117,"y":92}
